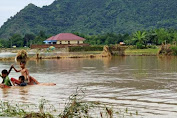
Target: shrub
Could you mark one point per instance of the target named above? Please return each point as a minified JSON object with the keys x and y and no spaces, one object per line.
{"x":174,"y":50}
{"x":140,"y":45}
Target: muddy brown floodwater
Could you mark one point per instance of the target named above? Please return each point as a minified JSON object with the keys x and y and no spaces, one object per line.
{"x":147,"y":84}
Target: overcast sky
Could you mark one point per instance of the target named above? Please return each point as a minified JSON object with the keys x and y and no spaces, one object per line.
{"x":11,"y":7}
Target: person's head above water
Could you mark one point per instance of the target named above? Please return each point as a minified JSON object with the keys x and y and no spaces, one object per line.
{"x":22,"y":78}
{"x":4,"y":73}
{"x":22,"y":64}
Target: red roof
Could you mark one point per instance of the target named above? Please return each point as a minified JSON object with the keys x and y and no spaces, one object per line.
{"x":49,"y":39}
{"x":66,"y":37}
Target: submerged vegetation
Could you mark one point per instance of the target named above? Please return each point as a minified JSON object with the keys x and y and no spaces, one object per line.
{"x":168,"y":50}
{"x":75,"y":107}
{"x":8,"y":109}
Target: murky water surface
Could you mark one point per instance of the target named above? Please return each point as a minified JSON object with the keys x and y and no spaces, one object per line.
{"x":145,"y":84}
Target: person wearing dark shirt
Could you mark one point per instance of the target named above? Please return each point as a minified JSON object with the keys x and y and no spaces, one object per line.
{"x":19,"y":82}
{"x":22,"y":80}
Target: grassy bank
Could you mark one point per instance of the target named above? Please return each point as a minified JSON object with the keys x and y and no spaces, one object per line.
{"x":86,"y":48}
{"x":129,"y":51}
{"x":142,"y":51}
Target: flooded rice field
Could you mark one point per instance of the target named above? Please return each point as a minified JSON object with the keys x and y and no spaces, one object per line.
{"x":147,"y":84}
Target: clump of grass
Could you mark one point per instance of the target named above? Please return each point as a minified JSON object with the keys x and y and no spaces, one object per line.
{"x":6,"y":109}
{"x":174,"y":50}
{"x":45,"y":110}
{"x":110,"y":112}
{"x":75,"y":107}
{"x":38,"y":115}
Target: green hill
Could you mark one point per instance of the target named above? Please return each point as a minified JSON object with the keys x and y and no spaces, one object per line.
{"x":93,"y":17}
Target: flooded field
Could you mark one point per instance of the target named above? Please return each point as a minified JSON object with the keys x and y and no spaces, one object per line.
{"x":147,"y":84}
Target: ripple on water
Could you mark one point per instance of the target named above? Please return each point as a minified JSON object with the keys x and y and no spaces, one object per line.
{"x":145,"y":84}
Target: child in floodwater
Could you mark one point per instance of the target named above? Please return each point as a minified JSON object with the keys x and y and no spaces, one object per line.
{"x":19,"y":82}
{"x":6,"y":81}
{"x":24,"y":72}
{"x":28,"y":79}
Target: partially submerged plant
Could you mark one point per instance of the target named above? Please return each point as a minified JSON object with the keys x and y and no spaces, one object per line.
{"x":6,"y":109}
{"x":9,"y":110}
{"x":76,"y":107}
{"x":44,"y":110}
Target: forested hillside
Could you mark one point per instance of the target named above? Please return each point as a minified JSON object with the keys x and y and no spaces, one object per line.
{"x":93,"y":17}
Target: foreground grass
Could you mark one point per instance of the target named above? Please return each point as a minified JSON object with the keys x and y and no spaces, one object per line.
{"x":75,"y":107}
{"x":141,"y":51}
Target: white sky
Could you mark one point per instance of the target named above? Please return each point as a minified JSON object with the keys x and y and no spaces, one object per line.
{"x":9,"y":8}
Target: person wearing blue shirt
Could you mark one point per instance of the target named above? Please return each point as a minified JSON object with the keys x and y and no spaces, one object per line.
{"x":19,"y":82}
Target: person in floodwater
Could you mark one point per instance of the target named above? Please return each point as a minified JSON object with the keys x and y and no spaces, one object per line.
{"x":28,"y":79}
{"x":6,"y":81}
{"x":19,"y":82}
{"x":24,"y":72}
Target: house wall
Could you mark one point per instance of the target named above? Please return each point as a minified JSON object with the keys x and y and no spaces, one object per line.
{"x":49,"y":42}
{"x":56,"y":45}
{"x":81,"y":42}
{"x":71,"y":42}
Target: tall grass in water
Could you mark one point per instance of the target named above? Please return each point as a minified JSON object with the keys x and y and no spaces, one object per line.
{"x":6,"y":109}
{"x":75,"y":107}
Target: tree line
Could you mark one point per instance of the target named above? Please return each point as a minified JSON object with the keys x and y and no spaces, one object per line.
{"x":140,"y":39}
{"x":18,"y":40}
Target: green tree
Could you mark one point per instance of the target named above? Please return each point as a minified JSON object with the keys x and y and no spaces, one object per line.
{"x":42,"y":34}
{"x":140,"y":38}
{"x":16,"y":40}
{"x":28,"y":38}
{"x":4,"y":43}
{"x":1,"y":45}
{"x":151,"y":37}
{"x":175,"y":38}
{"x":40,"y":38}
{"x":163,"y":36}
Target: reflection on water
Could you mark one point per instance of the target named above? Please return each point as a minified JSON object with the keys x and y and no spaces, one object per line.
{"x":147,"y":84}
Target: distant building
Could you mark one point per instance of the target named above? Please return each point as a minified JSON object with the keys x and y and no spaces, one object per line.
{"x":122,"y":43}
{"x":65,"y":38}
{"x":62,"y":40}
